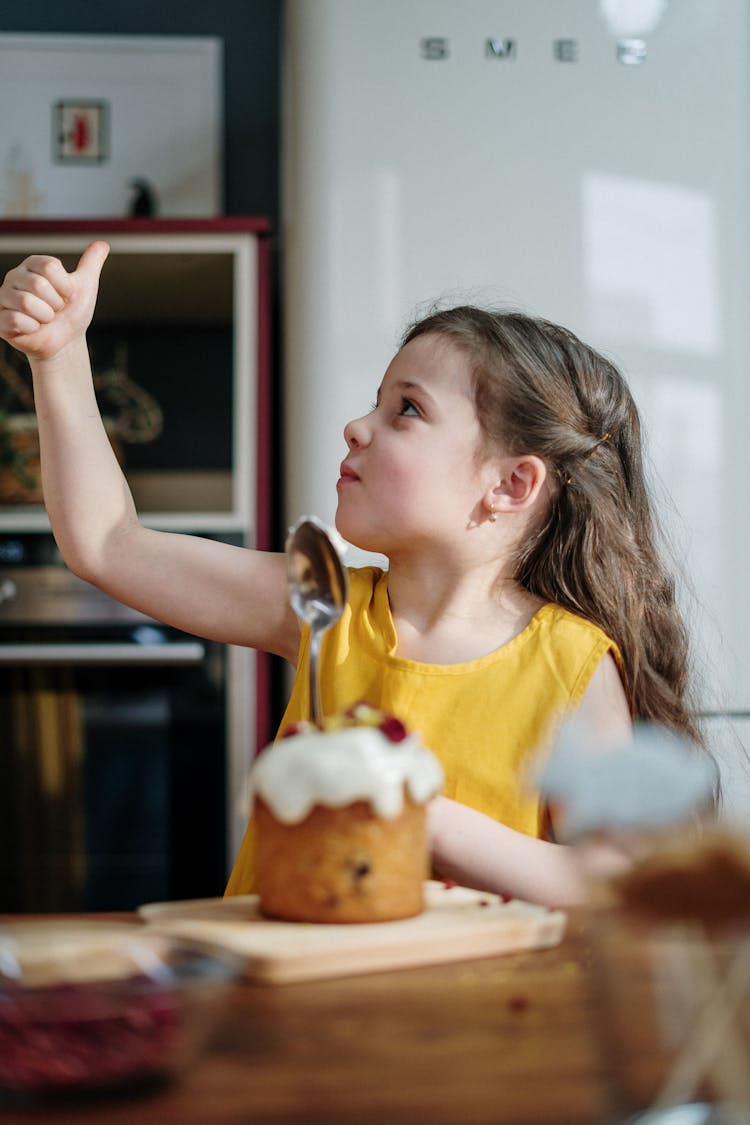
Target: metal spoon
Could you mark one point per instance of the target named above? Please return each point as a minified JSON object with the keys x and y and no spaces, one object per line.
{"x":318,"y":590}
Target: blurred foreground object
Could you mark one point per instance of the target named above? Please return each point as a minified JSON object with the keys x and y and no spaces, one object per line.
{"x":653,"y":782}
{"x":93,"y":1006}
{"x":672,"y":973}
{"x":671,"y":934}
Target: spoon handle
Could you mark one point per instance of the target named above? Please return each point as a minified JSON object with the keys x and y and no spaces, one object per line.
{"x":316,"y":709}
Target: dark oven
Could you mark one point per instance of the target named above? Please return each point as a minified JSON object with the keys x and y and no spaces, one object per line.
{"x":113,"y":729}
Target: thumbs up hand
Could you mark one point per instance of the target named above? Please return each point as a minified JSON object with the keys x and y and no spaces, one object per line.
{"x":43,"y":307}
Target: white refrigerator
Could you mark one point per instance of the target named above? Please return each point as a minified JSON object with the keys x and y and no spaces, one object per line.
{"x":585,"y":161}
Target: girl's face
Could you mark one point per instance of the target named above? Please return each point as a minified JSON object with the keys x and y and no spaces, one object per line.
{"x":412,"y":476}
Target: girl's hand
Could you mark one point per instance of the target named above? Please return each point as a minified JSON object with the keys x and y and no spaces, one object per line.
{"x":43,"y":307}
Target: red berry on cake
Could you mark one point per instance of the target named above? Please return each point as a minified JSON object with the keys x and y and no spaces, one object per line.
{"x":393,"y":729}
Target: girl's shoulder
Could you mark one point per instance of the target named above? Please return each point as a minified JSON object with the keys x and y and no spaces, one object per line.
{"x":564,"y":632}
{"x":556,"y":618}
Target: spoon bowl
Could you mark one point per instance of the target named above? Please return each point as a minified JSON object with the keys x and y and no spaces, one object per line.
{"x":318,"y":590}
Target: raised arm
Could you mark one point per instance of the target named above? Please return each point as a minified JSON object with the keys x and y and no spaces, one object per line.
{"x":211,"y":589}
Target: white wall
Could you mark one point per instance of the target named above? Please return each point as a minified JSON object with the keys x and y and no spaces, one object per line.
{"x":613,"y":198}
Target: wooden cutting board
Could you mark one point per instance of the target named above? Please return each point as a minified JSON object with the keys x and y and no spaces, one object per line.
{"x":457,"y":924}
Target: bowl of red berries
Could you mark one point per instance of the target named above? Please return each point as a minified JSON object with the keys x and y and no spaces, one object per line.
{"x":92,"y":1007}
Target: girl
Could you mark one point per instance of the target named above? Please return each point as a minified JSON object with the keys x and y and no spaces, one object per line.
{"x":500,"y":472}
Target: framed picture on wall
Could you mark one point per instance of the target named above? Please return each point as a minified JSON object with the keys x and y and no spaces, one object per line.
{"x":79,"y":131}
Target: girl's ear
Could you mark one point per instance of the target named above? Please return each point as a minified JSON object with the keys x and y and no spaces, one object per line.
{"x":520,"y":483}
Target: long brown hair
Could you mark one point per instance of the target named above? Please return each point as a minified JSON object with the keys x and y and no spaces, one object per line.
{"x":539,"y":389}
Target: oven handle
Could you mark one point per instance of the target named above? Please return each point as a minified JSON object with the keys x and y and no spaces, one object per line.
{"x":102,"y":653}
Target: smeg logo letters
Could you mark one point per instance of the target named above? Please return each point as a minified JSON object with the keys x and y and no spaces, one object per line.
{"x":436,"y":48}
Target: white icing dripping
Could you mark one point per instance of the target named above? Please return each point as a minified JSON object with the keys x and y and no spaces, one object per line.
{"x":336,"y":768}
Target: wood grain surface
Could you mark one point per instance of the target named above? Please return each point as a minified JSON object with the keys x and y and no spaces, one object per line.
{"x":508,"y":1039}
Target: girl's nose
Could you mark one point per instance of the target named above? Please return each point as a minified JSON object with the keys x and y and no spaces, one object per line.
{"x":356,"y":432}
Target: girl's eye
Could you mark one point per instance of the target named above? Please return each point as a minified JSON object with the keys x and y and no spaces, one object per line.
{"x":408,"y":408}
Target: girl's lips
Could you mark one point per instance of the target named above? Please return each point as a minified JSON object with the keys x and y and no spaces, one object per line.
{"x":346,"y":474}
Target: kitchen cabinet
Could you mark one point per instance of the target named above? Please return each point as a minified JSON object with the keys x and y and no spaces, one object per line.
{"x":183,"y":306}
{"x":183,"y":315}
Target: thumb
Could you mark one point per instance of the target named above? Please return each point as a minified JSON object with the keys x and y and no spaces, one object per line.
{"x":91,"y":261}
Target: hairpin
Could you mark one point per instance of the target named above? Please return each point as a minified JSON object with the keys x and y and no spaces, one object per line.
{"x":593,"y":449}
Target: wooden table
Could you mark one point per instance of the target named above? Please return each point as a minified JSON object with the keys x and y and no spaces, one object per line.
{"x":508,"y":1039}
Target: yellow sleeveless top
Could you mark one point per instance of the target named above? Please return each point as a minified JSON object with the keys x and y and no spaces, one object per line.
{"x":483,"y":719}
